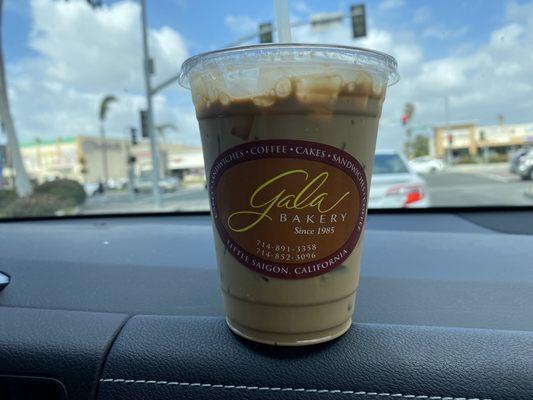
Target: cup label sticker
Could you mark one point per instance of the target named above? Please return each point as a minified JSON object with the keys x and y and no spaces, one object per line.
{"x":288,"y":209}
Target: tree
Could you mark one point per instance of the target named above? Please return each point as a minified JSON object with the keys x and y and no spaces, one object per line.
{"x":420,"y":146}
{"x":408,"y":111}
{"x":23,"y":185}
{"x":104,"y":109}
{"x":417,"y":147}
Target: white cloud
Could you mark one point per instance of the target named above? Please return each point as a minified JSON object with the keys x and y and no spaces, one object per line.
{"x":85,"y":54}
{"x":488,"y":79}
{"x":241,"y":23}
{"x":391,"y":4}
{"x":101,"y":48}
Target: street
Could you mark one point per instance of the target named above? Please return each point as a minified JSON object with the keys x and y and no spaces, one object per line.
{"x":192,"y":198}
{"x":477,"y":185}
{"x":468,"y":185}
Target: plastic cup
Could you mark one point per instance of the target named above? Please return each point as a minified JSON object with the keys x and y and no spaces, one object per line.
{"x":288,"y":134}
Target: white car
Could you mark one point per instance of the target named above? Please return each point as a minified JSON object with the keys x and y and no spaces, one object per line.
{"x":91,"y":189}
{"x":426,"y":165}
{"x":395,"y":184}
{"x":166,"y":184}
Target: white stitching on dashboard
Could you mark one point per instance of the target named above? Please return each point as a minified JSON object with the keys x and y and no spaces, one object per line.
{"x":288,"y":389}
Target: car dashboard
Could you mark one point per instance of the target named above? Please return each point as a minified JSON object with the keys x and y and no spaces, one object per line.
{"x":129,"y":307}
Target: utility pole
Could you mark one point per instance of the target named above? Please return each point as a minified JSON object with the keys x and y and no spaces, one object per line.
{"x":103,"y":143}
{"x":148,"y":69}
{"x":449,"y":154}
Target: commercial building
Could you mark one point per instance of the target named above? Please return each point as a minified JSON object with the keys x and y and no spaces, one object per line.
{"x":80,"y":158}
{"x":469,"y":141}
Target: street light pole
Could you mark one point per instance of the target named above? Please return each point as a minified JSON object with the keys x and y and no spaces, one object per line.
{"x":148,"y":87}
{"x":103,"y":143}
{"x":449,"y":152}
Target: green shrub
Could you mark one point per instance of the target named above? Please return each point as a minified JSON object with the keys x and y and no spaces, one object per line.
{"x":68,"y":193}
{"x":466,"y":159}
{"x":498,"y":157}
{"x":33,"y":206}
{"x":6,"y":198}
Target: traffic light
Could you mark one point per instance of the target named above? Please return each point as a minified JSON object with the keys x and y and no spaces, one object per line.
{"x":144,"y":124}
{"x":265,"y":33}
{"x":450,"y":139}
{"x":83,"y":165}
{"x":134,"y":139}
{"x":358,"y":20}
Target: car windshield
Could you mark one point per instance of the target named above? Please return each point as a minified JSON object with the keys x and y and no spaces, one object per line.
{"x":389,"y":164}
{"x":95,"y":122}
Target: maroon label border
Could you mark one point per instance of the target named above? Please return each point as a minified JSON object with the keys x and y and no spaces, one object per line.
{"x":242,"y":153}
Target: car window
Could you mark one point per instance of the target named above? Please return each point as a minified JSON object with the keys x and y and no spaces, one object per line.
{"x":78,"y":136}
{"x":389,"y":164}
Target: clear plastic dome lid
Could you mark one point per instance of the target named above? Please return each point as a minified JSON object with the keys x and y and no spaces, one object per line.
{"x":292,"y":58}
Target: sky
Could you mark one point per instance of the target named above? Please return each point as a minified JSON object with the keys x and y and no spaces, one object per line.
{"x":62,"y":57}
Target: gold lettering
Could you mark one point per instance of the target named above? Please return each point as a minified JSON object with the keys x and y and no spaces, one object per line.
{"x":307,"y":197}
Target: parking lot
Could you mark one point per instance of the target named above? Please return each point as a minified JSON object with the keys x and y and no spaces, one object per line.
{"x":478,"y":185}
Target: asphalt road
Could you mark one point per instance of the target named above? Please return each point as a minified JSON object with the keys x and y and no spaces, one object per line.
{"x":187,"y":199}
{"x":477,"y":186}
{"x":455,"y":187}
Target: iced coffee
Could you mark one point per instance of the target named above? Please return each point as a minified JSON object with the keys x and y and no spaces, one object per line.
{"x":288,"y":135}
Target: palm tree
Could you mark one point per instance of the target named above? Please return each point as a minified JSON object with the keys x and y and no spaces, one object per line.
{"x":160,"y":129}
{"x":23,"y":186}
{"x":104,"y":109}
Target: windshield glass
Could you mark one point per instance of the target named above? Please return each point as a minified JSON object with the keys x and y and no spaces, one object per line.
{"x":94,"y":121}
{"x":389,"y":164}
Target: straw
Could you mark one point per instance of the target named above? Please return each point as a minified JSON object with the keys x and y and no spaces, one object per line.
{"x":282,"y":21}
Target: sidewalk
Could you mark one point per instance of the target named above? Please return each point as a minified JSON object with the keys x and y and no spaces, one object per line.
{"x":478,"y":167}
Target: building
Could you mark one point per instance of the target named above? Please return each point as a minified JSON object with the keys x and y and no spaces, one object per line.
{"x":80,"y":158}
{"x":469,"y":141}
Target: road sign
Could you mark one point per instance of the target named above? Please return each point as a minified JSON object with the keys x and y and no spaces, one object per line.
{"x":144,"y":124}
{"x":358,"y":20}
{"x":265,"y":33}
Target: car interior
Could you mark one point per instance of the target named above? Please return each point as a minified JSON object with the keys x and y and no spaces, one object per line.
{"x":114,"y":298}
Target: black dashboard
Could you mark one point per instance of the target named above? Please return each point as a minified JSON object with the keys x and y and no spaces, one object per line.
{"x":120,"y":308}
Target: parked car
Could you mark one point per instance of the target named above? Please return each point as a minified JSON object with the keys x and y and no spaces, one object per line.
{"x":117,"y":184}
{"x":395,"y":184}
{"x":525,"y":166}
{"x":91,"y":189}
{"x":166,"y":184}
{"x":514,"y":159}
{"x":426,"y":165}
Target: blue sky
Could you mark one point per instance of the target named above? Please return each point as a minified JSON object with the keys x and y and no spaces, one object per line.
{"x":191,"y":18}
{"x":62,"y":57}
